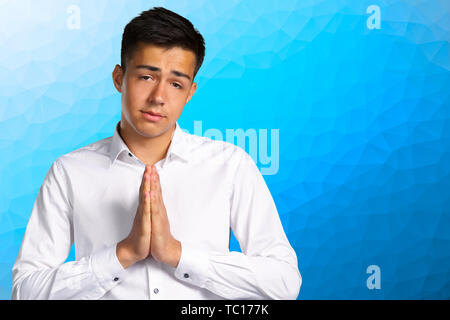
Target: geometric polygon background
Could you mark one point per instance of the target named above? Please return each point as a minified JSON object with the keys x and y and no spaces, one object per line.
{"x":363,"y":117}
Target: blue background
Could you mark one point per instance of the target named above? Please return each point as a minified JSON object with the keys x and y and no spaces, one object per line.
{"x":363,"y":117}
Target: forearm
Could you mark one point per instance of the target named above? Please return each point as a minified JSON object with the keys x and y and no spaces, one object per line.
{"x":234,"y":275}
{"x":88,"y":278}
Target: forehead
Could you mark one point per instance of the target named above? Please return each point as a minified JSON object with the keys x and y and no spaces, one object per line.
{"x":175,"y":58}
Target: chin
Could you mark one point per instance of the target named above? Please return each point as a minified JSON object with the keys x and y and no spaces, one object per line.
{"x":153,"y":129}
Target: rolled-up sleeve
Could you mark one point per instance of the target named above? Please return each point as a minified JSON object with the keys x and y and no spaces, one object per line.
{"x":267,"y":267}
{"x":40,"y":271}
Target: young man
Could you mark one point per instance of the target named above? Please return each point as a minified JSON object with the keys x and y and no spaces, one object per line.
{"x":150,"y":208}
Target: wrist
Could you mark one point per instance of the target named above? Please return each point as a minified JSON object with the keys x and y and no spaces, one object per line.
{"x":174,"y":253}
{"x":125,"y":254}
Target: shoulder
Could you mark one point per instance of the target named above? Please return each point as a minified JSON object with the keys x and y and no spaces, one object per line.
{"x":88,"y":155}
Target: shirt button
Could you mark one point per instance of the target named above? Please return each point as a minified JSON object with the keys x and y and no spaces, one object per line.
{"x":156,"y":290}
{"x":186,"y":275}
{"x":130,"y":154}
{"x":116,"y":279}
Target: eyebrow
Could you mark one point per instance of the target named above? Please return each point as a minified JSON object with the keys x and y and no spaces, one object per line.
{"x":156,"y":69}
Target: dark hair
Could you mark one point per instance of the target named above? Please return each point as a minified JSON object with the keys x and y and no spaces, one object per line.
{"x":164,"y":28}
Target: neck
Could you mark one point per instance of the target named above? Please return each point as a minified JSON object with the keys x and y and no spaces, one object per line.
{"x":148,"y":150}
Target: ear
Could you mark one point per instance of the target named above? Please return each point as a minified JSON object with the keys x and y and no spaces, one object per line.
{"x":191,"y":91}
{"x":117,"y":76}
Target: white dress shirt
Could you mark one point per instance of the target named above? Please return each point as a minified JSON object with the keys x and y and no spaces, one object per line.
{"x":90,"y":196}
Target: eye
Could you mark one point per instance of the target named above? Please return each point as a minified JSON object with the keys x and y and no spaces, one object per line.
{"x":145,"y":77}
{"x":176,"y":85}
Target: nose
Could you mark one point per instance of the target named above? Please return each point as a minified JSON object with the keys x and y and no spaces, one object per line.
{"x":157,"y":96}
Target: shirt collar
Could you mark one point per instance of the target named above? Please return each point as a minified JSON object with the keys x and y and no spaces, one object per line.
{"x":179,"y":145}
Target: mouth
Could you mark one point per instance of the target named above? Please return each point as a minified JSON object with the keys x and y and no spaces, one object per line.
{"x":152,"y":116}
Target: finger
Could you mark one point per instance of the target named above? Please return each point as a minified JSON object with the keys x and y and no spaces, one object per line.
{"x":156,"y":181}
{"x":154,"y":203}
{"x":151,"y":178}
{"x":158,"y":189}
{"x":142,"y":187}
{"x":147,"y":204}
{"x":147,"y":182}
{"x":148,"y":172}
{"x":153,"y":182}
{"x":146,"y":214}
{"x":158,"y":208}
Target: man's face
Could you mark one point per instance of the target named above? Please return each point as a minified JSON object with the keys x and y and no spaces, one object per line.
{"x":157,"y":80}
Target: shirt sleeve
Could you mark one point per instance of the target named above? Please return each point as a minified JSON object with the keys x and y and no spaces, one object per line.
{"x":267,"y":266}
{"x":39,"y":271}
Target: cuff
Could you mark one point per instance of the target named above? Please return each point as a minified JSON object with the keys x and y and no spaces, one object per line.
{"x":193,"y":265}
{"x":107,"y":268}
